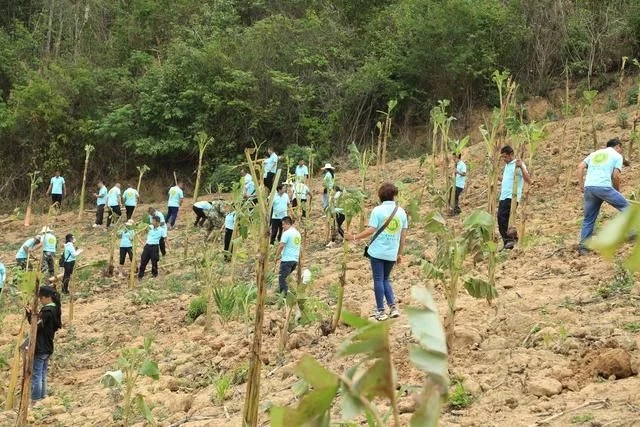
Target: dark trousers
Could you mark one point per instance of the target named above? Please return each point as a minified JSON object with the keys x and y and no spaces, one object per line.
{"x":286,"y":268}
{"x":113,"y":211}
{"x":56,"y":198}
{"x":99,"y":214}
{"x":303,"y":204}
{"x":129,"y":210}
{"x":276,"y":229}
{"x":46,"y":263}
{"x":22,"y":264}
{"x":268,"y":180}
{"x":163,"y":246}
{"x":68,"y":271}
{"x":228,"y":233}
{"x":456,"y":203}
{"x":504,"y":210}
{"x":200,"y":216}
{"x":339,"y":219}
{"x":149,"y":253}
{"x":172,"y":215}
{"x":123,"y":255}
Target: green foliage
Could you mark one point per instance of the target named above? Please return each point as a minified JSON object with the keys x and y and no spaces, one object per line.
{"x":623,"y":119}
{"x":622,"y":283}
{"x":221,"y":387}
{"x":459,"y":397}
{"x":611,"y":104}
{"x":615,"y":232}
{"x":197,"y":307}
{"x":581,"y":419}
{"x":632,"y":95}
{"x":224,"y":177}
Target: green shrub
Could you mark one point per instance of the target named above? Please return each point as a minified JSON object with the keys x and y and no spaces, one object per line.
{"x":632,"y":95}
{"x":623,"y":119}
{"x":225,"y":299}
{"x":197,"y":307}
{"x":223,"y":177}
{"x":611,"y":104}
{"x":459,"y":397}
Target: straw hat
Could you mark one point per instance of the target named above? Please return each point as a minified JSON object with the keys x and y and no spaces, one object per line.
{"x":327,"y":166}
{"x":45,"y":229}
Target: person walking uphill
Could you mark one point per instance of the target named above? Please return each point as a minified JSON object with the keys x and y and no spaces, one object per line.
{"x":270,"y":168}
{"x":114,"y":201}
{"x":388,"y":224}
{"x":175,"y":201}
{"x":101,"y":200}
{"x":49,"y":321}
{"x":151,"y":249}
{"x":57,"y":188}
{"x":512,"y":168}
{"x":69,"y":256}
{"x":601,"y":184}
{"x":460,"y":174}
{"x":130,"y":197}
{"x":289,"y":247}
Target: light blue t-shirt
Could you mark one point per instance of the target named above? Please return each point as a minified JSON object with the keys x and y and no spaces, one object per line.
{"x":130,"y":197}
{"x":249,"y":186}
{"x":336,"y":203}
{"x":291,"y":240}
{"x":300,"y":191}
{"x":600,"y":167}
{"x":280,"y":204}
{"x":49,"y":243}
{"x":154,"y":235}
{"x":230,"y":220}
{"x":163,"y":225}
{"x":102,"y":196}
{"x":327,"y":181}
{"x":126,"y":237}
{"x":29,"y":244}
{"x":302,"y":172}
{"x":461,"y":167}
{"x":271,"y":164}
{"x":175,"y":196}
{"x":386,"y":245}
{"x":113,"y":197}
{"x":56,"y":184}
{"x":506,"y":190}
{"x":3,"y":275}
{"x":204,"y":205}
{"x":69,"y":252}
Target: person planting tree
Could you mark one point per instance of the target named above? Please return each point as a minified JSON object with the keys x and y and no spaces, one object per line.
{"x":57,"y":188}
{"x":69,"y":256}
{"x":151,"y":249}
{"x":280,"y":209}
{"x":338,"y":218}
{"x":130,"y":197}
{"x":114,"y":201}
{"x":24,"y":253}
{"x":288,"y":252}
{"x":513,"y":168}
{"x":200,"y":209}
{"x":300,"y":196}
{"x":215,"y":218}
{"x":327,"y":184}
{"x":49,"y":243}
{"x":101,"y":200}
{"x":153,"y":212}
{"x":388,"y":225}
{"x":173,"y":204}
{"x":460,"y":174}
{"x":229,"y":226}
{"x":601,"y":184}
{"x":126,"y":234}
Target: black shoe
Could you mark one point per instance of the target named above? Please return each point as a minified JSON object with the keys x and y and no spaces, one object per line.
{"x":583,"y":251}
{"x":509,"y":245}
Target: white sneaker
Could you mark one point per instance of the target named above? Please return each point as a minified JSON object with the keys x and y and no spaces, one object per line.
{"x":95,"y":225}
{"x":394,"y":313}
{"x":330,"y":244}
{"x":379,"y":315}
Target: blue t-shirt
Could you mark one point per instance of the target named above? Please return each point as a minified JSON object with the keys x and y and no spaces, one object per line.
{"x":230,"y":220}
{"x":506,"y":190}
{"x":154,"y":235}
{"x":204,"y":205}
{"x":280,"y":204}
{"x":302,"y":172}
{"x":175,"y":196}
{"x":69,"y":252}
{"x":386,"y":245}
{"x":126,"y":237}
{"x":291,"y":240}
{"x":327,"y":181}
{"x":600,"y":167}
{"x":56,"y":184}
{"x":461,"y":167}
{"x":130,"y":197}
{"x":300,"y":191}
{"x":113,"y":197}
{"x":102,"y":196}
{"x":271,"y":164}
{"x":163,"y":225}
{"x":28,"y":244}
{"x":249,"y":186}
{"x":3,"y":275}
{"x":49,"y":243}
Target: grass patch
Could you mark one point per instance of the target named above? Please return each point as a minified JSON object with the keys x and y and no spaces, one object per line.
{"x":459,"y":397}
{"x":581,"y":419}
{"x":631,"y":327}
{"x":621,"y":284}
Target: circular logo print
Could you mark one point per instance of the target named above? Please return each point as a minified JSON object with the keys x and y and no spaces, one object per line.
{"x":296,"y":240}
{"x":600,"y":158}
{"x":394,"y":225}
{"x":51,"y":240}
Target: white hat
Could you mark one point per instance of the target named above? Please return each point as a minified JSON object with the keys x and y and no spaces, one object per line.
{"x":45,"y":229}
{"x":129,"y":222}
{"x":327,"y":166}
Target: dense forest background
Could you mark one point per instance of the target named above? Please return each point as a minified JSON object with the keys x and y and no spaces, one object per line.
{"x":139,"y":78}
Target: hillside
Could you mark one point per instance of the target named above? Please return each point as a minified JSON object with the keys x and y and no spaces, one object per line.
{"x":559,"y":318}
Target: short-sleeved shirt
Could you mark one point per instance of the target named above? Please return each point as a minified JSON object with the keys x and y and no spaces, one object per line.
{"x":163,"y":225}
{"x":386,"y":245}
{"x":271,"y":164}
{"x":249,"y":186}
{"x":300,"y":191}
{"x":3,"y":274}
{"x":506,"y":190}
{"x":327,"y":181}
{"x":230,"y":220}
{"x":291,"y":240}
{"x":57,"y":183}
{"x":69,"y":252}
{"x":600,"y":167}
{"x":154,"y":235}
{"x":280,"y":204}
{"x":175,"y":196}
{"x":204,"y":205}
{"x":29,"y":244}
{"x":113,"y":197}
{"x":337,"y":208}
{"x":302,"y":172}
{"x":49,"y":242}
{"x":130,"y":197}
{"x":126,"y":237}
{"x":461,"y":167}
{"x":102,"y":196}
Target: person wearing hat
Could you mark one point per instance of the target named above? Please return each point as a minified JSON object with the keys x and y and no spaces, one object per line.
{"x":27,"y":247}
{"x":69,"y":255}
{"x":49,"y":244}
{"x":130,"y":197}
{"x":215,"y":217}
{"x":49,"y":321}
{"x":200,"y":209}
{"x":327,"y":184}
{"x":126,"y":234}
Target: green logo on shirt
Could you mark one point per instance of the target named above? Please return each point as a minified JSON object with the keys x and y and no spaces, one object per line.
{"x":296,"y":240}
{"x":51,"y":240}
{"x":394,"y":226}
{"x":600,"y":158}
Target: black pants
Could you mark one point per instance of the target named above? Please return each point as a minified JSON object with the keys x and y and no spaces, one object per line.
{"x":68,"y":271}
{"x":504,"y":210}
{"x":99,"y":214}
{"x":456,"y":203}
{"x":56,"y":198}
{"x":276,"y":229}
{"x":172,"y":215}
{"x":200,"y":216}
{"x":149,"y":253}
{"x":303,"y":203}
{"x":228,"y":234}
{"x":286,"y":268}
{"x":46,"y":263}
{"x":113,"y":210}
{"x":123,"y":255}
{"x":268,"y":180}
{"x":163,"y":246}
{"x":340,"y":218}
{"x":129,"y":210}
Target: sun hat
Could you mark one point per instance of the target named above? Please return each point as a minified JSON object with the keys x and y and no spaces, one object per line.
{"x":45,"y":229}
{"x":327,"y":166}
{"x":129,"y":222}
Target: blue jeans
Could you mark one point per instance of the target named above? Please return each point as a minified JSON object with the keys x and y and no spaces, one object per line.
{"x":325,"y":201}
{"x":39,"y":378}
{"x":381,"y":270}
{"x":172,"y":215}
{"x":593,"y":198}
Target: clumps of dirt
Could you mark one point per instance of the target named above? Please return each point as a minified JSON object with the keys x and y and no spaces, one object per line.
{"x":610,"y":363}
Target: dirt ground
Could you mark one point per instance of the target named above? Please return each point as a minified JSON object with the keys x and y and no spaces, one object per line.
{"x":559,"y":347}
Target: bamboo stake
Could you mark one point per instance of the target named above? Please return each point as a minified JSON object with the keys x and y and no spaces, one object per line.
{"x":87,"y":149}
{"x":25,"y":390}
{"x":15,"y":367}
